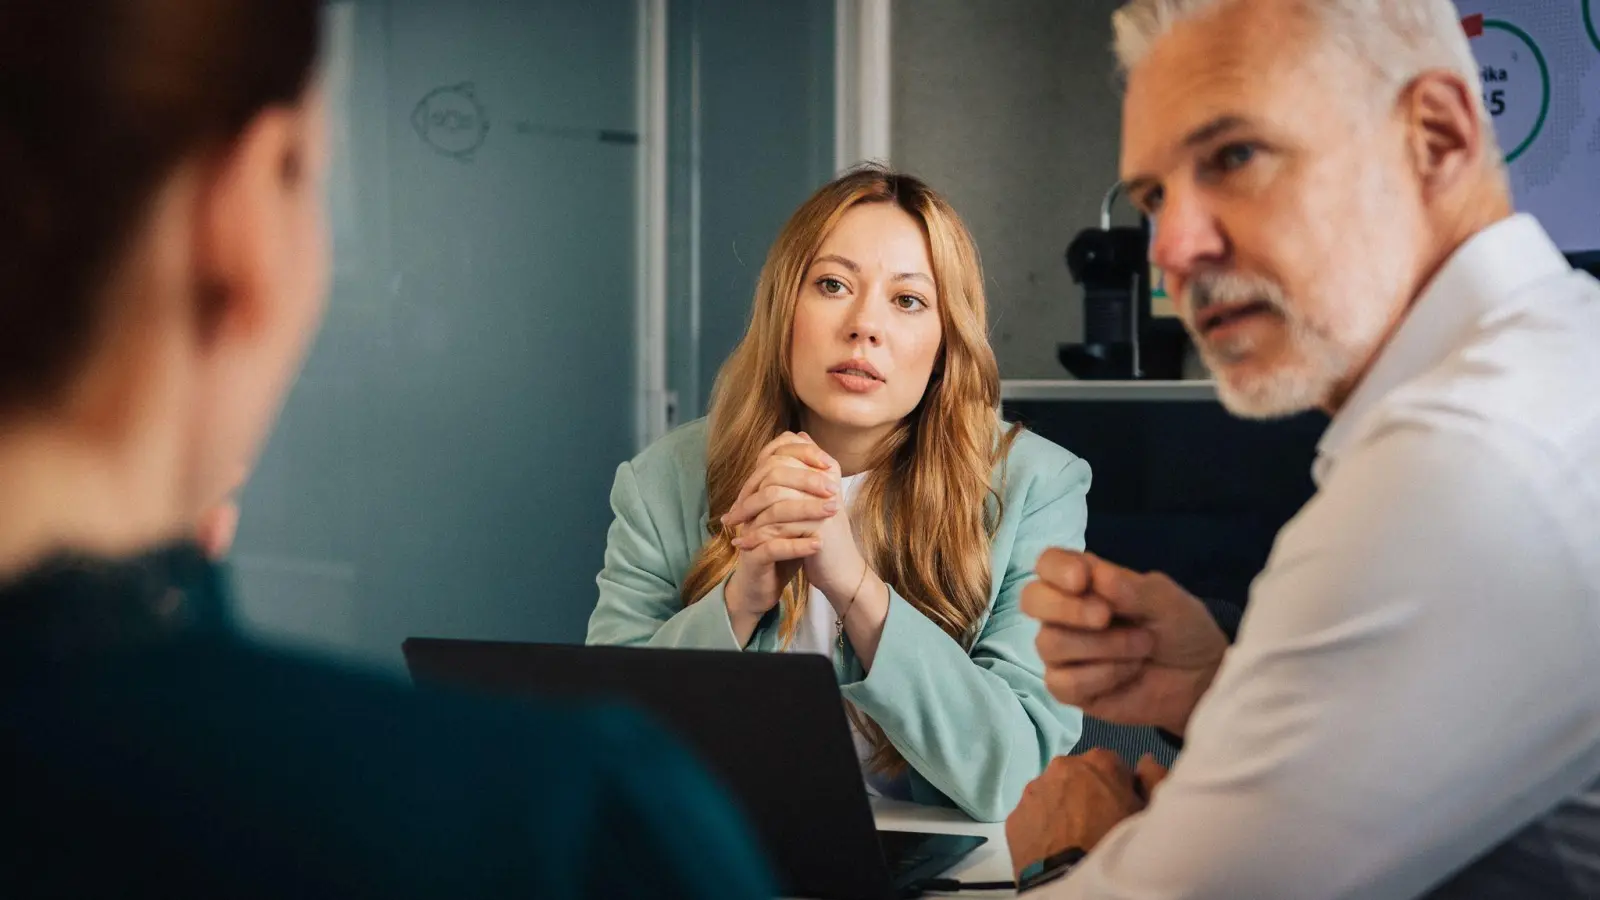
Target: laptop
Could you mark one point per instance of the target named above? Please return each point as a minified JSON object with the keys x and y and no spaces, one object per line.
{"x":771,"y":725}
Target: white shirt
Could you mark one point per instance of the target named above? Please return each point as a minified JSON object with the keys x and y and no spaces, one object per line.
{"x":1417,"y":679}
{"x":818,"y":633}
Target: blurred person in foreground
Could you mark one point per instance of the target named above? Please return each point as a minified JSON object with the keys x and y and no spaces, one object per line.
{"x":163,"y":263}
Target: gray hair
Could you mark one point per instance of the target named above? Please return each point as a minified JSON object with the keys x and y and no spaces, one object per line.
{"x":1397,"y":40}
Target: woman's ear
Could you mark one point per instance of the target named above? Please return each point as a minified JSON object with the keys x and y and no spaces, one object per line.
{"x":241,"y":247}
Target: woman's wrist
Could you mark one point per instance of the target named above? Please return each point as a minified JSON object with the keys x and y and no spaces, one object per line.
{"x":744,"y":625}
{"x":743,"y":621}
{"x":864,"y":617}
{"x":744,"y":613}
{"x":871,"y":604}
{"x":735,"y":594}
{"x":864,"y":584}
{"x":840,"y":595}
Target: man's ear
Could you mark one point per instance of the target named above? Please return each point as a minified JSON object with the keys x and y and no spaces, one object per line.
{"x":1446,"y":132}
{"x":242,"y":206}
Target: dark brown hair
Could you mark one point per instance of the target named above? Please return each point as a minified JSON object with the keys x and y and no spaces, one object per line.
{"x":99,"y":101}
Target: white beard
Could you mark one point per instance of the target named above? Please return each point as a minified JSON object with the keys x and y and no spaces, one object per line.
{"x":1325,"y":349}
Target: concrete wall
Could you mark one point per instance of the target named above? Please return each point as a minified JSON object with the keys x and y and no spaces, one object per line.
{"x":1011,"y":108}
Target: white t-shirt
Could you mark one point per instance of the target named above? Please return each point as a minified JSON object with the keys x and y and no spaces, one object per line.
{"x":818,"y":633}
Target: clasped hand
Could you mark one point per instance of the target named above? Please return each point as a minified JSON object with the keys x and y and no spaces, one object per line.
{"x":1123,"y":646}
{"x":790,"y":513}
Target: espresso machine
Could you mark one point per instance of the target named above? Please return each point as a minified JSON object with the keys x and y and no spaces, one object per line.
{"x":1121,"y":340}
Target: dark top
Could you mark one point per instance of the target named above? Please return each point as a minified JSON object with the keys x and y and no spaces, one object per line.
{"x":152,"y":751}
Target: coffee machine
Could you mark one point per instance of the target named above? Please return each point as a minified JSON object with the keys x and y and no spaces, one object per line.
{"x":1121,"y":340}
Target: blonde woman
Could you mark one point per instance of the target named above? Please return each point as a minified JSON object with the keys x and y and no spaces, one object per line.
{"x":854,"y":493}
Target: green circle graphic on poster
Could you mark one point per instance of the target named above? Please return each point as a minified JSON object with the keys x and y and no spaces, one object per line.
{"x":1589,"y":22}
{"x":1516,"y":84}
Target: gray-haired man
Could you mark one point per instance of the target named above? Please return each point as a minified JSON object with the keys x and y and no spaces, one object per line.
{"x":1413,"y":703}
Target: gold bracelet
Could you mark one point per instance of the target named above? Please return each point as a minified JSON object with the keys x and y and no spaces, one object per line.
{"x":838,"y":625}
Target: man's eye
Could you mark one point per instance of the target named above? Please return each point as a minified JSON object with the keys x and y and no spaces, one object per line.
{"x":1149,"y":202}
{"x":1234,"y":156}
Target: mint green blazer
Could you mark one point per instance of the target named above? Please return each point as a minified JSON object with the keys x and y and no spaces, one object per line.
{"x":976,"y":726}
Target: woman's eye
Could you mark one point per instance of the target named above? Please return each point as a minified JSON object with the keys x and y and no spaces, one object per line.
{"x":831,"y":286}
{"x":909,"y":302}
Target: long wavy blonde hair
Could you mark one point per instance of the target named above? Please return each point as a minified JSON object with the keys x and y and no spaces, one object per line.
{"x":927,"y":509}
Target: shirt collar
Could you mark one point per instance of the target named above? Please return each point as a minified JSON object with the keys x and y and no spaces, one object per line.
{"x":73,"y":605}
{"x":1487,"y":272}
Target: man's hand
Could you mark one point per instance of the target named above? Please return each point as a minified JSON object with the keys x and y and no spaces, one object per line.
{"x":1124,"y":647}
{"x":1075,"y":803}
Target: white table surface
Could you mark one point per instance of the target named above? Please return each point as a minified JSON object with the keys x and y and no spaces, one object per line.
{"x":991,"y":862}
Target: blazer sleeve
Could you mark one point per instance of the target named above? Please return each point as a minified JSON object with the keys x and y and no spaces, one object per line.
{"x":979,"y":726}
{"x":639,"y":604}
